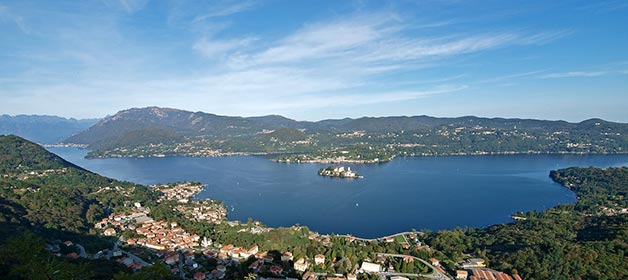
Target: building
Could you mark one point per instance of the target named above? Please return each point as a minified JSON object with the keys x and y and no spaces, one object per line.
{"x":110,"y":232}
{"x":275,"y":269}
{"x":434,"y":262}
{"x":474,"y":263}
{"x":287,"y":256}
{"x":398,"y":278}
{"x":309,"y":276}
{"x":502,"y":276}
{"x":462,"y":274}
{"x":351,"y":277}
{"x":301,"y":265}
{"x":370,"y":267}
{"x":226,"y":249}
{"x":319,"y":259}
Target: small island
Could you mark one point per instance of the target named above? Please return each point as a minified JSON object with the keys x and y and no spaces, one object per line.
{"x":339,"y":171}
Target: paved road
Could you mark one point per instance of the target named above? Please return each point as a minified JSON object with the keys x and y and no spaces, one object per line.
{"x":382,"y":238}
{"x":136,"y":258}
{"x":434,"y":275}
{"x":82,"y":254}
{"x":181,"y":256}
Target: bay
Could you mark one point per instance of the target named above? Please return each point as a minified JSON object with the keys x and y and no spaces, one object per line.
{"x":408,"y":193}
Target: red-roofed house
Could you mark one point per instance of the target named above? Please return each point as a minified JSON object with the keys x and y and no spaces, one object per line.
{"x":275,"y":269}
{"x":199,"y":276}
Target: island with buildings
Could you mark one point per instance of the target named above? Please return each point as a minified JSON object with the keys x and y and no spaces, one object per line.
{"x":339,"y":171}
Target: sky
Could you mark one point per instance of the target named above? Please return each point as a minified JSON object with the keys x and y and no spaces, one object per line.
{"x":313,"y":60}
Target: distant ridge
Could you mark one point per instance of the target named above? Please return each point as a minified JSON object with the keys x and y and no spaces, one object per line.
{"x":43,"y":129}
{"x":159,"y":131}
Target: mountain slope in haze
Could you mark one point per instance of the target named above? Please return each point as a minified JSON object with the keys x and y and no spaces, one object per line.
{"x":155,"y":131}
{"x":43,"y":129}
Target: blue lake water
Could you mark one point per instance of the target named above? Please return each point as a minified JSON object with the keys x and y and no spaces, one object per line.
{"x":407,"y":193}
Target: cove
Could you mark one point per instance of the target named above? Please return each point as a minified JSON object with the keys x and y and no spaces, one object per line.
{"x":407,"y":193}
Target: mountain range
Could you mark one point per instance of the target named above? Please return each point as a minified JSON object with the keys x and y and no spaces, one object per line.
{"x":164,"y":131}
{"x":43,"y":129}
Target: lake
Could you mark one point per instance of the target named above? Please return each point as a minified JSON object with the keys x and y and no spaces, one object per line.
{"x":407,"y":193}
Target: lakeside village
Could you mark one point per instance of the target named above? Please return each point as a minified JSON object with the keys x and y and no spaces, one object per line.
{"x":143,"y":241}
{"x":339,"y":172}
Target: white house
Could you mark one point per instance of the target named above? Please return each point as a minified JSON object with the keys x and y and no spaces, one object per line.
{"x":370,"y":267}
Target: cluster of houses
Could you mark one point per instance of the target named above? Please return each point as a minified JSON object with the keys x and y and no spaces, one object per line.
{"x":204,"y":211}
{"x":234,"y":252}
{"x":123,"y":221}
{"x":161,"y":235}
{"x":180,"y":192}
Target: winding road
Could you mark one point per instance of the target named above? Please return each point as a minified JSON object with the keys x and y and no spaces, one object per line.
{"x":434,"y":275}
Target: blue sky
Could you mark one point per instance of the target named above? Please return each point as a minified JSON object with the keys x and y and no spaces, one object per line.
{"x":313,"y":60}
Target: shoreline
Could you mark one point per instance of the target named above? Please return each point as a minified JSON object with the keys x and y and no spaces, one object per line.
{"x":398,"y":233}
{"x":327,"y":161}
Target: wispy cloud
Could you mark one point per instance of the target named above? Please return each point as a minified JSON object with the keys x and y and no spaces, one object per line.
{"x":512,"y":76}
{"x":128,"y":6}
{"x":575,"y":74}
{"x":380,"y":40}
{"x":225,"y":8}
{"x":6,"y":15}
{"x":218,"y":48}
{"x":132,"y":6}
{"x":604,"y":6}
{"x":355,"y":59}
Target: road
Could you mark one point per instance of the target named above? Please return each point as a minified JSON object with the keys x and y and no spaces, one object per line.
{"x":181,"y":257}
{"x":134,"y":257}
{"x":82,"y":253}
{"x":382,"y":238}
{"x":434,"y":275}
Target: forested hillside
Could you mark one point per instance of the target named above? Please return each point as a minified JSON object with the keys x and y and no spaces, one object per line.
{"x":585,"y":240}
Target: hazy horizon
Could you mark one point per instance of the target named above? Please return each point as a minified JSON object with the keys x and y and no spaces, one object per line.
{"x":316,"y":60}
{"x":316,"y":120}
